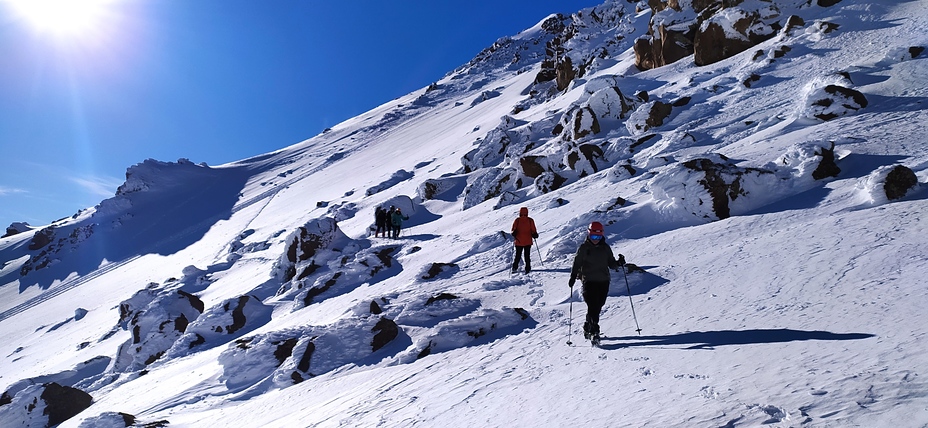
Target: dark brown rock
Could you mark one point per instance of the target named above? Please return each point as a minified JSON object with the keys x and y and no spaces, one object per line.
{"x":659,"y":112}
{"x":387,"y":330}
{"x":284,"y":349}
{"x":439,"y":268}
{"x":440,"y":297}
{"x":644,"y":54}
{"x":63,"y":402}
{"x":849,"y":99}
{"x":898,"y":182}
{"x":42,"y":238}
{"x":711,"y":45}
{"x":530,"y":166}
{"x":827,"y":166}
{"x":674,"y":45}
{"x":793,"y":22}
{"x":565,"y":74}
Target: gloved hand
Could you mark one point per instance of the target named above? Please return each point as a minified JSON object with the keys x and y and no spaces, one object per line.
{"x":535,"y":235}
{"x":571,"y":282}
{"x":621,"y":260}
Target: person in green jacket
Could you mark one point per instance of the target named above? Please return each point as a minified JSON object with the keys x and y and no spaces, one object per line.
{"x":592,"y":263}
{"x":396,"y":219}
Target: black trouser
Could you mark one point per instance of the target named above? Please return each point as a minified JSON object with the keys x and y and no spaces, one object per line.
{"x":520,"y":251}
{"x":594,"y":294}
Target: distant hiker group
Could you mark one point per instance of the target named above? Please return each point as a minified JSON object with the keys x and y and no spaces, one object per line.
{"x":388,"y":222}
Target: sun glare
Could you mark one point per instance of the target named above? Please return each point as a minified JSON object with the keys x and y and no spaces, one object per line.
{"x":66,"y":18}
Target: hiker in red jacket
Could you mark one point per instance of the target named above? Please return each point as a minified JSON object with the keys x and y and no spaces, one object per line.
{"x":523,"y":230}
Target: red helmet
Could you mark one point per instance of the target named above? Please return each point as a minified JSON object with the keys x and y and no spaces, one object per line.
{"x":596,"y":228}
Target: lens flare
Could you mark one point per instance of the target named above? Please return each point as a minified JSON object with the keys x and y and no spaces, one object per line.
{"x":62,"y":18}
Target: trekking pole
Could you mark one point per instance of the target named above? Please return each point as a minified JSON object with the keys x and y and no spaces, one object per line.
{"x":512,"y":261}
{"x":627,"y":287}
{"x":542,"y":260}
{"x":570,"y":317}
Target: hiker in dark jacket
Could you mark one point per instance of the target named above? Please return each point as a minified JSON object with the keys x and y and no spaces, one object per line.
{"x":592,"y":263}
{"x":389,"y":219}
{"x":523,"y":230}
{"x":380,"y":219}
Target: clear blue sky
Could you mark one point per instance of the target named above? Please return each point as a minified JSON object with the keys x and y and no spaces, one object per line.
{"x":88,"y":92}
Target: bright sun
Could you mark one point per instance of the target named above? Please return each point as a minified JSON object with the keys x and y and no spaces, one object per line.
{"x":62,"y":17}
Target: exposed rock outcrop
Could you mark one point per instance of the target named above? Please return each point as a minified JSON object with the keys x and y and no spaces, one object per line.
{"x":711,"y":30}
{"x":16,"y":228}
{"x":386,"y":330}
{"x":899,"y":181}
{"x":47,"y":405}
{"x":834,"y":101}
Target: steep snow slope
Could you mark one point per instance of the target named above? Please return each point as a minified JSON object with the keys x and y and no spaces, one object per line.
{"x":253,"y":294}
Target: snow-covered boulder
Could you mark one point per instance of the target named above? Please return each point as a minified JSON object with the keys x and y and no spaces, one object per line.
{"x":309,"y":247}
{"x":440,"y":188}
{"x":579,"y":123}
{"x":16,"y":228}
{"x":438,"y":270}
{"x":156,"y":319}
{"x":887,"y":183}
{"x":707,"y":187}
{"x":283,"y":358}
{"x":647,"y":116}
{"x":833,"y":101}
{"x":221,"y":323}
{"x":490,"y":183}
{"x":322,"y":262}
{"x":464,"y":331}
{"x":611,"y":103}
{"x":501,"y":143}
{"x":111,"y":420}
{"x":713,"y":187}
{"x":808,"y":161}
{"x":394,"y":179}
{"x":43,"y":405}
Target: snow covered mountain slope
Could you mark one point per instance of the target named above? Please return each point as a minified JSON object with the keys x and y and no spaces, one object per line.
{"x":770,"y":205}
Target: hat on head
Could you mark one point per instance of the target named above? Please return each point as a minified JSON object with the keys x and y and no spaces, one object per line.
{"x":596,"y":228}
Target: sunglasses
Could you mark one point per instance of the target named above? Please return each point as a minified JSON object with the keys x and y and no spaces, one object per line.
{"x":596,"y":236}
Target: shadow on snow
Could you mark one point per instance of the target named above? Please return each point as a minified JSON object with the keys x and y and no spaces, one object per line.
{"x":712,"y":339}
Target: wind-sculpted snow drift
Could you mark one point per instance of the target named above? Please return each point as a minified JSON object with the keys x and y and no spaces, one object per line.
{"x":759,"y":164}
